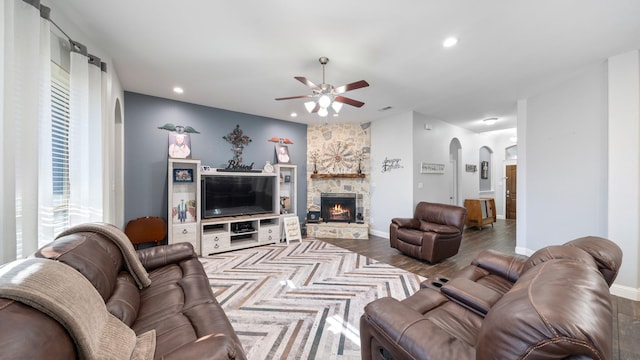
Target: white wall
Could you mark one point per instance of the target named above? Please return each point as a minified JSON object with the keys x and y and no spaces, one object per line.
{"x":391,"y":191}
{"x":566,"y":134}
{"x":432,"y":146}
{"x":624,"y":168}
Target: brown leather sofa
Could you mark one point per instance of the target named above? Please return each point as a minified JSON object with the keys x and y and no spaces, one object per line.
{"x":552,"y":305}
{"x":178,"y":304}
{"x":434,"y":233}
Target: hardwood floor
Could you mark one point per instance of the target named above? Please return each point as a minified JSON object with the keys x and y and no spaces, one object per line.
{"x":500,"y":237}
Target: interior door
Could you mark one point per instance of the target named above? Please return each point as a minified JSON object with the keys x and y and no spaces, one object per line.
{"x":511,"y":191}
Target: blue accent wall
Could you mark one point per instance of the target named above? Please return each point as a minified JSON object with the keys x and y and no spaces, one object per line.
{"x":146,"y":147}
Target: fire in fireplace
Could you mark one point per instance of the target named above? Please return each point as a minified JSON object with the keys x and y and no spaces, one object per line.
{"x":338,"y":207}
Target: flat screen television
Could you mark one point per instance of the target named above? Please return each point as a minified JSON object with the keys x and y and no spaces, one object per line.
{"x":234,"y":195}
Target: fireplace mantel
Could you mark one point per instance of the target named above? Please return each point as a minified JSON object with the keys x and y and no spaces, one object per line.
{"x":339,"y":176}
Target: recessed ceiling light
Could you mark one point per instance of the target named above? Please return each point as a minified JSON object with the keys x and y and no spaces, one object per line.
{"x":449,"y":42}
{"x":178,"y":90}
{"x":490,"y":121}
{"x":294,"y":114}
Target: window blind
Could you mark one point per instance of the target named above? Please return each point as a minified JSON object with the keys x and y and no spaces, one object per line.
{"x":60,"y":146}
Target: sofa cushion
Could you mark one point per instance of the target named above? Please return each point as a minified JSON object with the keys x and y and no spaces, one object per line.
{"x":439,"y":228}
{"x":39,"y":336}
{"x":180,"y":306}
{"x":92,"y":254}
{"x":557,"y":252}
{"x":606,"y":253}
{"x":125,"y":301}
{"x":411,"y":236}
{"x":558,"y":309}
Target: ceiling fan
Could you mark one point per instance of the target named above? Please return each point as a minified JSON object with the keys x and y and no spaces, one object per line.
{"x":327,"y":95}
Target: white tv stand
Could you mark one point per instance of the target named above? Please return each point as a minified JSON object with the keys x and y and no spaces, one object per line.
{"x":239,"y":232}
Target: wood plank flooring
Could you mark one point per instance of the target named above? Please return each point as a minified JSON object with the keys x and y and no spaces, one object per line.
{"x":500,"y":237}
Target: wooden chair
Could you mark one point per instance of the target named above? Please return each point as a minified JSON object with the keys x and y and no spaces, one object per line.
{"x":146,"y":229}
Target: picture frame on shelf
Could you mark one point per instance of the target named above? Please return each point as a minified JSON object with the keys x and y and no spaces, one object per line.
{"x":287,"y":178}
{"x":282,"y":154}
{"x":183,"y":175}
{"x":183,"y":209}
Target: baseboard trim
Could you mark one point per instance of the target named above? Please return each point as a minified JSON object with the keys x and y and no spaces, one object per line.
{"x":626,"y":292}
{"x":523,"y":251}
{"x":379,"y":233}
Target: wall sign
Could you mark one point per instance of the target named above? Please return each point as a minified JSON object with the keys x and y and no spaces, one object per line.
{"x":428,"y":168}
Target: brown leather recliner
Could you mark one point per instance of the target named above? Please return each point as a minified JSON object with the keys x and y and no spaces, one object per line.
{"x":434,"y":233}
{"x":552,"y":305}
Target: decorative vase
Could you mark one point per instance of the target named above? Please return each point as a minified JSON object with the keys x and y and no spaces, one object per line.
{"x":268,"y":167}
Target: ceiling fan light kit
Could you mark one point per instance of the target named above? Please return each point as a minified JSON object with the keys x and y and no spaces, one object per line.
{"x":326,"y":95}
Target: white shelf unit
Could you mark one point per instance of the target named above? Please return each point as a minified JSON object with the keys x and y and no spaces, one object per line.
{"x":286,"y":190}
{"x":239,"y":232}
{"x":184,"y":188}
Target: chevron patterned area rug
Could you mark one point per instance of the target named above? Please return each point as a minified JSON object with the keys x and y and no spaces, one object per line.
{"x":303,"y":300}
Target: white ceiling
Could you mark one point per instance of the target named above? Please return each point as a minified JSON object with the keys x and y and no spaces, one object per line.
{"x":241,"y":55}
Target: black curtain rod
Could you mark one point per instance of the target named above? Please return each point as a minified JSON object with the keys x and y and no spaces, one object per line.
{"x":45,"y":13}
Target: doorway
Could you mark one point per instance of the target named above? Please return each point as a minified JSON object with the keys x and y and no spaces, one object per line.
{"x":455,"y":150}
{"x":511,"y":191}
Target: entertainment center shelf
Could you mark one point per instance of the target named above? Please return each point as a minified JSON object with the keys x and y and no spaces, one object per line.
{"x":239,"y":232}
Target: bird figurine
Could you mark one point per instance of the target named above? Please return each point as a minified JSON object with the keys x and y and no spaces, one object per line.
{"x":280,"y":140}
{"x":179,"y":129}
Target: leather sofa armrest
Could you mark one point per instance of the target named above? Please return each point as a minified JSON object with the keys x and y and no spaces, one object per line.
{"x":505,"y":265}
{"x":410,"y":332}
{"x":406,"y":223}
{"x":471,"y":295}
{"x":210,"y":347}
{"x":158,"y":256}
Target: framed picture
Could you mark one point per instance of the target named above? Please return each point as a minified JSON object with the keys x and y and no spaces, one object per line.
{"x":484,"y":170}
{"x":282,"y":153}
{"x":179,"y":145}
{"x":287,"y":178}
{"x":183,"y":209}
{"x":183,"y":175}
{"x":427,"y":168}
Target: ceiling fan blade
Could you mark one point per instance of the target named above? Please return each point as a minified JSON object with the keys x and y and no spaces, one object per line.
{"x":349,"y":87}
{"x":295,"y":97}
{"x":305,"y":81}
{"x":348,"y":101}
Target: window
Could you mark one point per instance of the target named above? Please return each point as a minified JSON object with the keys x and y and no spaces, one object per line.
{"x":60,"y":146}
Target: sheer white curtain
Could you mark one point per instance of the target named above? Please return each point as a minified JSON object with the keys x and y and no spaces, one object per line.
{"x":26,"y":179}
{"x":25,"y":80}
{"x":85,"y":141}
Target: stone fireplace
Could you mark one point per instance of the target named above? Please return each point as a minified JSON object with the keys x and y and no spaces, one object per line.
{"x":338,"y":180}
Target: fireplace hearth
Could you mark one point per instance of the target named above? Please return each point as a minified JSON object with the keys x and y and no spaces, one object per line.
{"x":340,"y":207}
